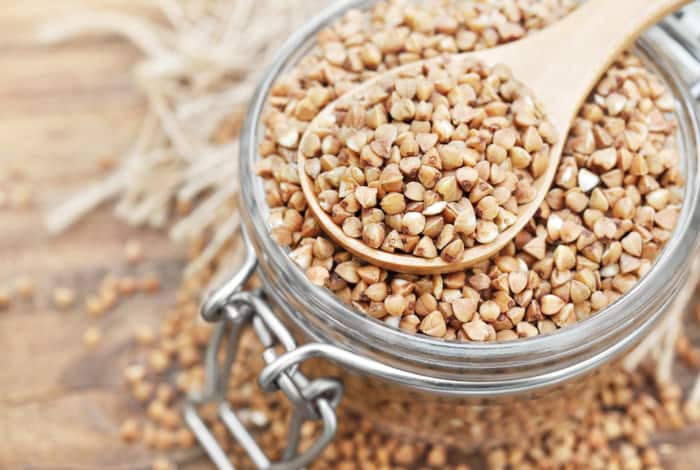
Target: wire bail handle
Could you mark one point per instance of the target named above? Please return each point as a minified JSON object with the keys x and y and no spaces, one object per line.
{"x":235,"y":310}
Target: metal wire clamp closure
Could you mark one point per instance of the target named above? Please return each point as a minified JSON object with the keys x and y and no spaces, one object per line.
{"x":316,"y":399}
{"x":214,"y":305}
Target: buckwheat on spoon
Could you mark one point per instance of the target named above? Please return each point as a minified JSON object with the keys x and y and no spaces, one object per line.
{"x":430,"y":162}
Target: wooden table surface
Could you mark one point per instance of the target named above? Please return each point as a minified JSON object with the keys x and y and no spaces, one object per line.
{"x":61,"y":109}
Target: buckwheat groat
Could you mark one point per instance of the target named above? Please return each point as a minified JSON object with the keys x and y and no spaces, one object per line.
{"x":612,"y":207}
{"x":433,"y":160}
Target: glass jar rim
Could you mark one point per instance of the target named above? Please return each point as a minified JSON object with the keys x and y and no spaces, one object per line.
{"x":603,"y":335}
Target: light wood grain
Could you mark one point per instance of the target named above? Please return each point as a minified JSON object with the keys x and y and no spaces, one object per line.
{"x":62,"y":108}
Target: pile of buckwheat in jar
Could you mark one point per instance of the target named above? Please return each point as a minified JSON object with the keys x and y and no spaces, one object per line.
{"x":387,"y":176}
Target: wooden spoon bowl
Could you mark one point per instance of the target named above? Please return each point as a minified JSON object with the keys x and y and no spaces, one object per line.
{"x":595,"y":34}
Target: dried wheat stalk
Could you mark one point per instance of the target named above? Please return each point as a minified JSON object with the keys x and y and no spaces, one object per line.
{"x":197,"y":69}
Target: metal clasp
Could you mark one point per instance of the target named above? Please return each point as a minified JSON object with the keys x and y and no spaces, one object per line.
{"x":316,"y":399}
{"x":215,"y":303}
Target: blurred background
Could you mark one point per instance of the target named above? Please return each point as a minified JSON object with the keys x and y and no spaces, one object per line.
{"x":106,"y":107}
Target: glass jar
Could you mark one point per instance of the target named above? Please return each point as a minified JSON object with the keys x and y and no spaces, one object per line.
{"x":465,"y":393}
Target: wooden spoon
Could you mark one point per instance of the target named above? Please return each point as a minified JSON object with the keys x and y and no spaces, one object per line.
{"x":560,"y":65}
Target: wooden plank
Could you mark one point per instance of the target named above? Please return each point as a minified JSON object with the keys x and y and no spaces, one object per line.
{"x":64,"y":107}
{"x":19,"y":20}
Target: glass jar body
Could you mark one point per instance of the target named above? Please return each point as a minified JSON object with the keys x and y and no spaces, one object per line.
{"x":465,"y":416}
{"x":477,"y":394}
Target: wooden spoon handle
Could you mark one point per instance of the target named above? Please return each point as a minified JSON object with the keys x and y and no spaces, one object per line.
{"x":574,"y":52}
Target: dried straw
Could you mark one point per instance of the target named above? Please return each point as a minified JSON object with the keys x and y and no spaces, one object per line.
{"x":198,"y":68}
